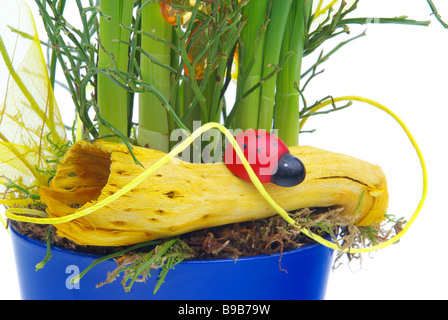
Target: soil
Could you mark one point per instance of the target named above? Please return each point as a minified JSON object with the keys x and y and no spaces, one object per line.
{"x":265,"y":236}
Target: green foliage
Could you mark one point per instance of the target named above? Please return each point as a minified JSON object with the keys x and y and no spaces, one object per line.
{"x":211,"y":34}
{"x":436,"y":14}
{"x":17,"y":188}
{"x":137,"y":266}
{"x":47,"y":257}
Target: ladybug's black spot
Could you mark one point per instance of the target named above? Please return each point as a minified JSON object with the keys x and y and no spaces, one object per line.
{"x":290,"y":171}
{"x":258,"y":136}
{"x":244,"y":147}
{"x":275,"y":144}
{"x":259,"y":150}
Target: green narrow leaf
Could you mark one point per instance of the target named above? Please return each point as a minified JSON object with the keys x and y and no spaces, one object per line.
{"x":114,"y":54}
{"x":276,"y":28}
{"x":154,"y":125}
{"x":250,"y":65}
{"x":287,"y":97}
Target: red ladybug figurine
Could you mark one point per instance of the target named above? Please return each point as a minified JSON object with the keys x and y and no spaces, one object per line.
{"x":268,"y":156}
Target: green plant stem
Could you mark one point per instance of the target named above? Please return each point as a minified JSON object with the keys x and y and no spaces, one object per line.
{"x":226,"y":49}
{"x":217,"y":101}
{"x":146,"y":261}
{"x":154,"y":126}
{"x":47,"y":257}
{"x":114,"y":53}
{"x":199,"y":97}
{"x":190,"y":113}
{"x":53,"y":26}
{"x":53,"y":59}
{"x":287,"y":99}
{"x":176,"y":94}
{"x":114,"y":255}
{"x":277,"y":25}
{"x":397,"y":20}
{"x":436,"y":14}
{"x":250,"y":66}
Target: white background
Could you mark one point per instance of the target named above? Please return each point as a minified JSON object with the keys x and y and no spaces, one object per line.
{"x":404,"y":68}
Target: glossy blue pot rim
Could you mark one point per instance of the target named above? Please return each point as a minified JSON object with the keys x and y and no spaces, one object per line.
{"x":203,"y":261}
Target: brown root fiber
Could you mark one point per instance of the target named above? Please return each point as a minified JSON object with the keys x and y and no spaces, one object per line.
{"x":264,"y":236}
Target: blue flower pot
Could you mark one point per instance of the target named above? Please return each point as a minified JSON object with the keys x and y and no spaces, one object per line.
{"x":300,"y":274}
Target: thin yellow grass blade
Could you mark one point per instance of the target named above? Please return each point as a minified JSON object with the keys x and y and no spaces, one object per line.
{"x":322,"y":8}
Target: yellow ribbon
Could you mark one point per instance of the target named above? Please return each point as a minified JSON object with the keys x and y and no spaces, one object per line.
{"x":182,"y":146}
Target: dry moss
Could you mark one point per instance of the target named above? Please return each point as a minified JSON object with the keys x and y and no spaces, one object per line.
{"x":259,"y":237}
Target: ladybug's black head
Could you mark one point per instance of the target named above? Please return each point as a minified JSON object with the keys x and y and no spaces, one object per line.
{"x":290,"y":171}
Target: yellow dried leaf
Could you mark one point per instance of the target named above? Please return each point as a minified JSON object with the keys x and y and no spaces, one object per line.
{"x":182,"y":197}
